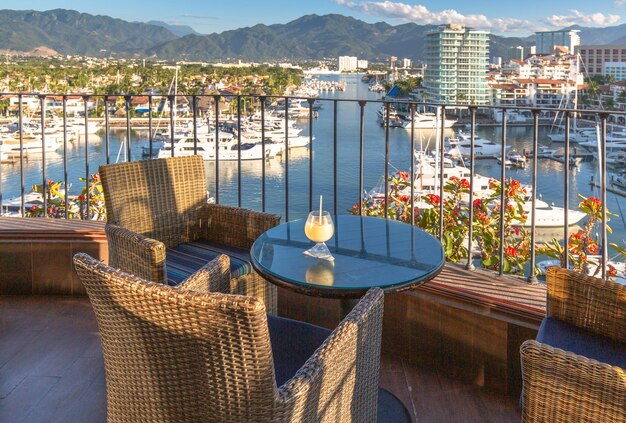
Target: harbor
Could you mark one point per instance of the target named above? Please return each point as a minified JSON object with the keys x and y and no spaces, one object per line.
{"x":520,"y":139}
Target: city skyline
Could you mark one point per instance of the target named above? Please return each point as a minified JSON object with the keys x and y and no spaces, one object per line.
{"x":496,"y":17}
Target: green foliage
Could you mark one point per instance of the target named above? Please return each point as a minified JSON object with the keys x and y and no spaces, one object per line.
{"x":580,"y":244}
{"x":486,"y":219}
{"x":77,"y":207}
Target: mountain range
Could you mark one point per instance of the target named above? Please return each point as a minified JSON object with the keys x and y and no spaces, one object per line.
{"x":70,"y":32}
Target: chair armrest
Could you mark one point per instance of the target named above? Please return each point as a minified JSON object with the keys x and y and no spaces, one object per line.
{"x":341,"y":378}
{"x":234,"y":226}
{"x":136,"y":254}
{"x":560,"y":386}
{"x":212,"y":277}
{"x":253,"y":285}
{"x":590,"y":303}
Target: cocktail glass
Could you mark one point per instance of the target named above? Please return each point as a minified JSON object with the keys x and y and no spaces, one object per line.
{"x":319,"y":228}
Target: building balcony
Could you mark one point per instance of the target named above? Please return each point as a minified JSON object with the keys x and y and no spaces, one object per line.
{"x":450,"y":347}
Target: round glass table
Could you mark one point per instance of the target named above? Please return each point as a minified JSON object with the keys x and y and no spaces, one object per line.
{"x":368,"y":251}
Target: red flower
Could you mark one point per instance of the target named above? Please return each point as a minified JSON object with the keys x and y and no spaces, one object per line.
{"x":403,"y":198}
{"x":610,"y":270}
{"x":81,"y":198}
{"x":511,"y":252}
{"x":465,"y":183}
{"x":50,"y":182}
{"x":482,"y":217}
{"x":434,"y":199}
{"x":516,"y":230}
{"x":403,"y":175}
{"x":33,"y":208}
{"x":477,"y":203}
{"x":593,"y":249}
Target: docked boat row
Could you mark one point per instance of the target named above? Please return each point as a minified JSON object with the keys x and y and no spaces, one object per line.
{"x":427,"y":181}
{"x":248,"y":141}
{"x":419,"y":121}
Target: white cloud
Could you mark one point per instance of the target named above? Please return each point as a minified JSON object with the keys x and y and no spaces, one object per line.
{"x":619,"y":3}
{"x":420,"y":14}
{"x":576,"y":17}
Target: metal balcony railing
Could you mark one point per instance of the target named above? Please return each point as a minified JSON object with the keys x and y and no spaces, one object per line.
{"x":264,"y":100}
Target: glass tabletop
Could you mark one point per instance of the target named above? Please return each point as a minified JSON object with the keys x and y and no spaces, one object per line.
{"x":368,"y":252}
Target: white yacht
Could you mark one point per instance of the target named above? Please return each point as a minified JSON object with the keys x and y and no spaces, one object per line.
{"x":228,"y":149}
{"x":427,"y":121}
{"x":550,"y":216}
{"x":461,"y":147}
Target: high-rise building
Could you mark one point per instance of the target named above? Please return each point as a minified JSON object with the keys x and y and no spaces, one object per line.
{"x":514,"y":53}
{"x":456,"y":65}
{"x":546,"y":40}
{"x":596,"y":58}
{"x":361,"y":64}
{"x":406,"y":63}
{"x":347,"y":63}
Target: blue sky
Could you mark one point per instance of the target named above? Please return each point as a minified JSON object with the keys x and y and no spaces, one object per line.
{"x":207,"y":16}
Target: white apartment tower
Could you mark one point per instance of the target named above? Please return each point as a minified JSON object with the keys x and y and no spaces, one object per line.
{"x":456,"y":65}
{"x":546,"y":40}
{"x":347,"y":63}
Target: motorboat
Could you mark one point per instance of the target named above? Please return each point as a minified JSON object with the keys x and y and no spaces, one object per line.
{"x":549,"y":216}
{"x":461,"y":146}
{"x":229,"y":149}
{"x":427,"y":121}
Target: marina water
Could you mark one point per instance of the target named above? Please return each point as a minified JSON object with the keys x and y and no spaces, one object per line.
{"x":550,"y":183}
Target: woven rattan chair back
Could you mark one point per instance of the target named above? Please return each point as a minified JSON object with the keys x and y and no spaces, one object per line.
{"x":591,"y":303}
{"x":157,"y":198}
{"x":175,"y":356}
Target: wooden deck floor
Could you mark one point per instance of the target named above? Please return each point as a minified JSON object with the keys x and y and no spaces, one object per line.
{"x":51,"y":370}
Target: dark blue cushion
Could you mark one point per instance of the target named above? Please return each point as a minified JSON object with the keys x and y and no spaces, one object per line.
{"x":568,"y":337}
{"x":293,"y":343}
{"x":183,"y":260}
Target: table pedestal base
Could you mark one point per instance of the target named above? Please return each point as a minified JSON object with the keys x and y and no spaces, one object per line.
{"x":391,"y":409}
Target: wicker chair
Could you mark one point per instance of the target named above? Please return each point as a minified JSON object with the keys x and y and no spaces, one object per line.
{"x":575,"y":370}
{"x":177,"y":355}
{"x":160,"y":227}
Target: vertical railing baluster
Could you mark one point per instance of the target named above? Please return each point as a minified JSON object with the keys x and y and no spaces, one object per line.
{"x":412,"y":177}
{"x":470,"y":234}
{"x":602,"y":157}
{"x":128,"y":105}
{"x":217,"y":149}
{"x":171,"y":98}
{"x":65,"y":176}
{"x":442,"y":150}
{"x":566,"y":194}
{"x":194,"y":106}
{"x":532,"y":277}
{"x":262,"y":101}
{"x":44,"y":191}
{"x":87,"y":175}
{"x":150,"y":134}
{"x":286,"y":159}
{"x":503,"y":197}
{"x":311,"y":101}
{"x":107,"y":129}
{"x":361,"y":152}
{"x":335,"y":156}
{"x":21,"y":135}
{"x":239,"y":151}
{"x":386,"y":171}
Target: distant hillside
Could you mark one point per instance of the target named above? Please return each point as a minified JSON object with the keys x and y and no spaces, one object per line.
{"x":71,"y":32}
{"x":308,"y":37}
{"x":311,"y":37}
{"x":178,"y":30}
